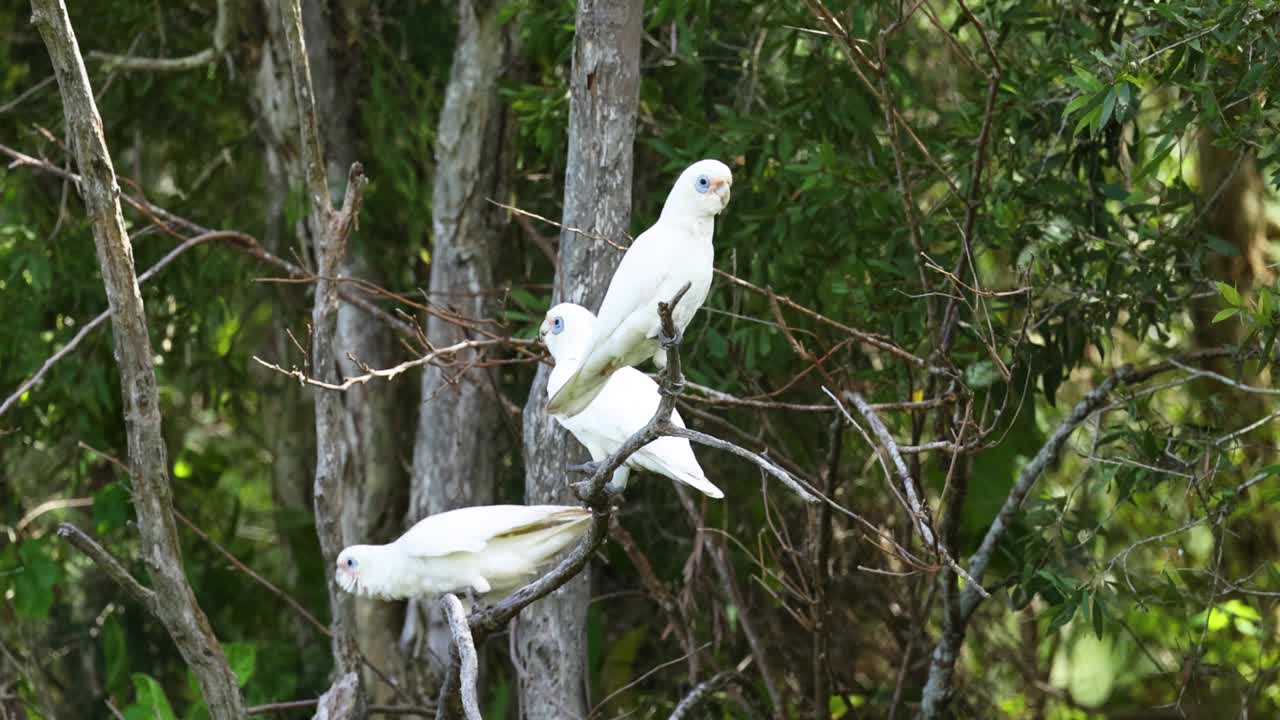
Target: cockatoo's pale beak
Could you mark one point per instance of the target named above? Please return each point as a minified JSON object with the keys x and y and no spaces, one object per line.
{"x":721,"y":189}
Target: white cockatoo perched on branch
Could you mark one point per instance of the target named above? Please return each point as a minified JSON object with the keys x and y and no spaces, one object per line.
{"x":492,"y":550}
{"x":675,"y":250}
{"x":623,"y":405}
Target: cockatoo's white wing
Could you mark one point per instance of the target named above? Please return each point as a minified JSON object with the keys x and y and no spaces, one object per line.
{"x":471,"y":529}
{"x":624,"y":406}
{"x":626,"y":329}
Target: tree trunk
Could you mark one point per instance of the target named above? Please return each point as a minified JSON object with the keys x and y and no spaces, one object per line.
{"x":175,"y":603}
{"x":550,"y":635}
{"x":1235,"y":197}
{"x":374,"y":486}
{"x":1235,"y":210}
{"x":454,"y":460}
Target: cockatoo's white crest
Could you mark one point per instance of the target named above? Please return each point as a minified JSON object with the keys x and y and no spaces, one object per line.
{"x":674,"y":252}
{"x":623,"y":406}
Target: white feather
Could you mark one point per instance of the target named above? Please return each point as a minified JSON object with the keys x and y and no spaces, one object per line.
{"x":676,"y":250}
{"x":491,"y":549}
{"x":623,"y":406}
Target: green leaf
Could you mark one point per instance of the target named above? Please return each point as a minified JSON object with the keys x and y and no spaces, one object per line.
{"x":150,"y":702}
{"x":981,"y":374}
{"x":243,"y":659}
{"x":1229,"y":293}
{"x":1108,"y":107}
{"x":1089,"y":80}
{"x":1226,"y":313}
{"x":33,"y":586}
{"x":619,"y":664}
{"x":115,"y":650}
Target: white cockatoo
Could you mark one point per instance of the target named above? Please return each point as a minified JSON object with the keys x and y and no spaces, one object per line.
{"x":492,"y":550}
{"x":624,"y":404}
{"x":676,"y":250}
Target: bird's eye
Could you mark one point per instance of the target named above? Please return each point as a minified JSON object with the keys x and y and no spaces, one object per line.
{"x":702,"y":184}
{"x":351,"y":562}
{"x":557,"y":325}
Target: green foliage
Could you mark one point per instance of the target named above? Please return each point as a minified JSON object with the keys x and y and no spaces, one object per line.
{"x":1087,"y":248}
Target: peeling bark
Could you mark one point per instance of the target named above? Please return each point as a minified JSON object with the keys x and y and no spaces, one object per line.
{"x":175,"y":603}
{"x":454,"y":462}
{"x":550,"y":636}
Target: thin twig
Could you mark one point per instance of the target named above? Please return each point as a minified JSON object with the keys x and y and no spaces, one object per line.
{"x":199,"y":59}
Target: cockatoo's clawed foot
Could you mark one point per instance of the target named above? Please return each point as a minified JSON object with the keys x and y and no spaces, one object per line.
{"x":586,"y":468}
{"x":673,"y":388}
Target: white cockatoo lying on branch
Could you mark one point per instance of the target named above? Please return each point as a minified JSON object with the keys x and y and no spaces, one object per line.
{"x":621,"y":408}
{"x":676,"y":250}
{"x":491,"y":550}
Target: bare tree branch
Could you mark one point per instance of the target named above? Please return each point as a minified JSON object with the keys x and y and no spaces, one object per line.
{"x":175,"y":602}
{"x":109,"y":565}
{"x":221,"y":29}
{"x":330,"y":231}
{"x":938,"y":688}
{"x":392,"y":372}
{"x":918,"y":510}
{"x":389,"y":710}
{"x":699,"y":694}
{"x":460,"y":686}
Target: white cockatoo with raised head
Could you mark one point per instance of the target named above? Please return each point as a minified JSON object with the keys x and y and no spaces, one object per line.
{"x":491,"y":550}
{"x":676,"y":250}
{"x":624,"y":404}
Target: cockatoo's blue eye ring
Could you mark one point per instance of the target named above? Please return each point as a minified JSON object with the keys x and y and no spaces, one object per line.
{"x":702,"y":184}
{"x":557,"y":325}
{"x":351,"y":562}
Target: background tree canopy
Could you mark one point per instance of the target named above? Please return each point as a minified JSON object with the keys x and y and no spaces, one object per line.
{"x":1015,"y":259}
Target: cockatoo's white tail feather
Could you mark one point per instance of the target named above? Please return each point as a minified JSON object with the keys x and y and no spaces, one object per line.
{"x":701,"y":484}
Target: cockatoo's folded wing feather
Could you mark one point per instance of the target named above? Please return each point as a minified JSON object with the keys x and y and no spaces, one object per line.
{"x":471,"y":529}
{"x":628,"y":316}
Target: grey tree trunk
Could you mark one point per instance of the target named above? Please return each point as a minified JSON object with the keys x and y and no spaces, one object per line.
{"x":549,"y":641}
{"x":459,"y":420}
{"x":173,"y":603}
{"x":375,"y":486}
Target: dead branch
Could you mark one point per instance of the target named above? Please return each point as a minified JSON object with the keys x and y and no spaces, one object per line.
{"x":918,"y":510}
{"x":733,"y":596}
{"x":330,"y":231}
{"x":389,"y":710}
{"x":392,"y":372}
{"x":221,"y":30}
{"x":464,"y":651}
{"x":699,"y":694}
{"x":175,"y":604}
{"x":109,"y":565}
{"x":942,"y":664}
